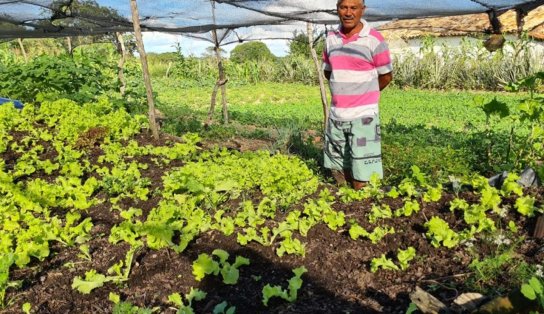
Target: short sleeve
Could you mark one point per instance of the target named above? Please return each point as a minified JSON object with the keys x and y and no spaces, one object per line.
{"x":381,"y":56}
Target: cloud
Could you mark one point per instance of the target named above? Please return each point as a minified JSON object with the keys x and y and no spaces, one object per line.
{"x":166,"y":42}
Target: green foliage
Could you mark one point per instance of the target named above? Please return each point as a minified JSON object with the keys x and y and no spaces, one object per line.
{"x":382,"y":262}
{"x":375,"y":236}
{"x":534,"y":290}
{"x":467,"y":66}
{"x":526,"y":205}
{"x":193,"y":295}
{"x":224,"y":308}
{"x":251,"y":51}
{"x":298,"y":45}
{"x":125,"y":307}
{"x":206,"y":265}
{"x":290,"y":295}
{"x":118,"y":273}
{"x":501,"y":265}
{"x":440,"y":233}
{"x":80,"y":78}
{"x":405,"y":256}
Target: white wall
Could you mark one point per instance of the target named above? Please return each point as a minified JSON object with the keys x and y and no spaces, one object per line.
{"x":398,"y":46}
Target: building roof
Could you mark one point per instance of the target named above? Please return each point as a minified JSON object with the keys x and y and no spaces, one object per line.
{"x":462,"y":25}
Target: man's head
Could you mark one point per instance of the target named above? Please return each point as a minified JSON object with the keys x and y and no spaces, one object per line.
{"x":350,"y":13}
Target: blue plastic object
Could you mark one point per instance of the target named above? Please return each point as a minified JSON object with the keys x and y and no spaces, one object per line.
{"x":16,"y":103}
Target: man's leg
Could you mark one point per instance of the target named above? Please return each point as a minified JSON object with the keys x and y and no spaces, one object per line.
{"x":355,"y":184}
{"x":334,"y":150}
{"x":365,"y":150}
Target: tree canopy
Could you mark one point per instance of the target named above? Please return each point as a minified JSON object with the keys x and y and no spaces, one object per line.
{"x":251,"y":51}
{"x":298,"y":45}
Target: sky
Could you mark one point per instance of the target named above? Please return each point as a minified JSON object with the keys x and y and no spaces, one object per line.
{"x":165,"y":42}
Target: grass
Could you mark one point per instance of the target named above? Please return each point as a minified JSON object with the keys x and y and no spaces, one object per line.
{"x":441,"y":132}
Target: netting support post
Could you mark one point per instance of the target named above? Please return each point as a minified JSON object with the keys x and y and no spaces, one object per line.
{"x":145,"y":69}
{"x":520,"y":21}
{"x":23,"y":51}
{"x":319,"y":74}
{"x":69,"y":44}
{"x":221,"y":81}
{"x":121,"y":63}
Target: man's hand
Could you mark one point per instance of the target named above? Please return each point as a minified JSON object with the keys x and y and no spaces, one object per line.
{"x":385,"y":79}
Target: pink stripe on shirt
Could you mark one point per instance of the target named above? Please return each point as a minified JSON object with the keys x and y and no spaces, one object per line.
{"x":382,"y":59}
{"x":376,"y":34}
{"x":351,"y":101}
{"x":350,"y":63}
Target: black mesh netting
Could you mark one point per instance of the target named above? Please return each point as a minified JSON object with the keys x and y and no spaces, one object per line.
{"x":46,"y":18}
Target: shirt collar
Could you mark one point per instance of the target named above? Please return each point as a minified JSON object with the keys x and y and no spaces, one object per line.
{"x":363,"y":33}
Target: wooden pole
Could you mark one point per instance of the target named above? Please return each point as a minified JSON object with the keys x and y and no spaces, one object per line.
{"x":221,"y":81}
{"x":520,"y":21}
{"x":69,"y":43}
{"x":145,"y":70}
{"x":319,"y":75}
{"x":121,"y":63}
{"x":23,"y":51}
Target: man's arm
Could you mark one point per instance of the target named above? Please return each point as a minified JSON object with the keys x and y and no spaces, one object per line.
{"x":327,"y":75}
{"x":383,"y":79}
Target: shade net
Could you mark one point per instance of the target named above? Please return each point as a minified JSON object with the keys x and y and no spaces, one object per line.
{"x":233,"y":20}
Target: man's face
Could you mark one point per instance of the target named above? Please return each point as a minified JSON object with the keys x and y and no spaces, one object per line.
{"x":350,"y":13}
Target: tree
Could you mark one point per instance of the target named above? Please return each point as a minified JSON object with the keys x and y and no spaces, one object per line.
{"x":251,"y":51}
{"x":298,"y":45}
{"x":79,"y":14}
{"x":210,"y":52}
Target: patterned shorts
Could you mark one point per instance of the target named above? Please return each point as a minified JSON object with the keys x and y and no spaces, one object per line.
{"x":354,"y":145}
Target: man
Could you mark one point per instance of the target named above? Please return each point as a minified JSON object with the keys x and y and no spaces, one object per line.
{"x":357,"y":63}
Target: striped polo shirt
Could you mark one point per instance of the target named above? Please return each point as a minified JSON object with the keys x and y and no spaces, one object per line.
{"x":355,"y":64}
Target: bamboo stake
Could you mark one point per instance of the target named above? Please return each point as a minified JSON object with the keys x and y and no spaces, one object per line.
{"x":221,"y":81}
{"x":69,"y":43}
{"x":145,"y":70}
{"x":22,"y":49}
{"x":520,"y":21}
{"x":319,"y":75}
{"x":121,"y":63}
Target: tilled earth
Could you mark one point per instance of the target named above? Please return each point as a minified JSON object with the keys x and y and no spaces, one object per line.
{"x":338,"y":278}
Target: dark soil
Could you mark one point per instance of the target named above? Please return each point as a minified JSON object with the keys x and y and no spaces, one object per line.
{"x":338,"y":278}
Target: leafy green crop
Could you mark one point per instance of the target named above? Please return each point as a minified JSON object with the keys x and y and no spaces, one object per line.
{"x":193,"y":295}
{"x":118,"y":273}
{"x":405,"y":256}
{"x":382,"y":262}
{"x":534,"y":290}
{"x":440,"y":233}
{"x":206,"y":265}
{"x":290,"y":295}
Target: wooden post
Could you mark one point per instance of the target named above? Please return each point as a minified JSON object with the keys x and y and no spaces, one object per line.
{"x":23,"y":51}
{"x":121,"y":63}
{"x":145,"y":70}
{"x":221,"y":81}
{"x":520,"y":21}
{"x":319,"y":75}
{"x":69,"y":43}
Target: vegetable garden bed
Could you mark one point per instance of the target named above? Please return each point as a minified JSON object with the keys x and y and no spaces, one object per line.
{"x":97,"y":217}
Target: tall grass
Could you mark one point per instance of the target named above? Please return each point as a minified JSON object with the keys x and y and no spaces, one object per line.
{"x":467,"y":66}
{"x":203,"y":71}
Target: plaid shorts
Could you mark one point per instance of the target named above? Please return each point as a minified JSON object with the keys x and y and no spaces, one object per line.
{"x":354,"y":145}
